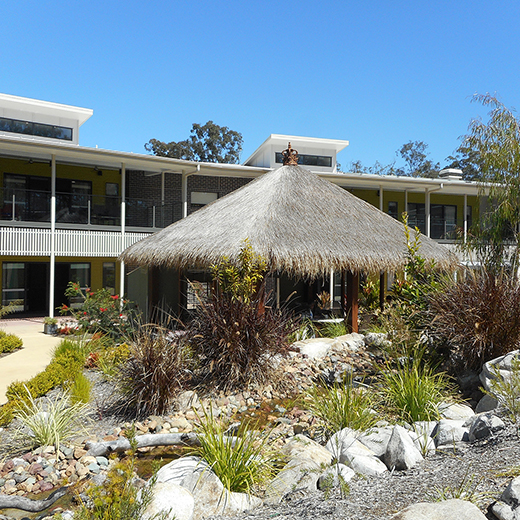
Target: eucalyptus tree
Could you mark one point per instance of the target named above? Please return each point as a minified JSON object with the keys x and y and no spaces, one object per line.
{"x":494,"y":146}
{"x":207,"y":143}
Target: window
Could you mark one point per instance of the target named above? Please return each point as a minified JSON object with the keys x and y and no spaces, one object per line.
{"x":443,"y":221}
{"x":416,"y":216}
{"x":308,"y":160}
{"x":109,"y":277}
{"x":13,"y":284}
{"x":393,"y":209}
{"x":16,"y":126}
{"x":79,"y":273}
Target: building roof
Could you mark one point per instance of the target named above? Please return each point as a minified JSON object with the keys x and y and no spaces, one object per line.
{"x":300,"y":223}
{"x":45,"y":107}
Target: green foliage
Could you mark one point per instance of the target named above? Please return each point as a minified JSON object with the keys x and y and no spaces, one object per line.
{"x":496,"y":144}
{"x":243,"y":462}
{"x":9,"y":343}
{"x":369,"y":297}
{"x":477,"y":317}
{"x":506,"y":390}
{"x":118,"y":498}
{"x":207,"y":143}
{"x":48,"y":422}
{"x":110,"y":359}
{"x":332,"y":329}
{"x":68,"y":360}
{"x":80,"y":389}
{"x":157,"y":368}
{"x":99,"y":312}
{"x":342,"y":405}
{"x":303,"y":329}
{"x":417,"y":165}
{"x":241,"y":280}
{"x":413,"y":391}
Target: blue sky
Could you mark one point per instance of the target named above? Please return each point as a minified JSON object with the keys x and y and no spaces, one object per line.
{"x":378,"y":74}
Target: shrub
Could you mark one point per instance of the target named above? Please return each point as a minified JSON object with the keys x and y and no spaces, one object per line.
{"x":506,"y":389}
{"x":342,"y":405}
{"x":333,"y":329}
{"x":9,"y":343}
{"x":100,"y":311}
{"x":118,"y":498}
{"x":242,"y":462}
{"x":236,"y":340}
{"x":158,"y":366}
{"x":110,"y":359}
{"x":477,"y":317}
{"x":67,"y":361}
{"x":48,"y":422}
{"x":80,"y":389}
{"x":413,"y":391}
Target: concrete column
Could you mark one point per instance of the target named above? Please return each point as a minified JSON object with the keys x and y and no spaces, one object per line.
{"x":123,"y":226}
{"x":381,"y":198}
{"x":465,"y":217}
{"x":427,"y":211}
{"x":52,"y":260}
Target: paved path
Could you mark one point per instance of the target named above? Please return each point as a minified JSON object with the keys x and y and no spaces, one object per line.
{"x":32,"y":358}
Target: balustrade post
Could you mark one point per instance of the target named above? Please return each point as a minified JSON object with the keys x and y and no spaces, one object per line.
{"x":13,"y":208}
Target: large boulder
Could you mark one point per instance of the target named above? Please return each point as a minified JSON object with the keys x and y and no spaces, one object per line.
{"x":302,"y":447}
{"x":195,"y":475}
{"x":351,"y":342}
{"x":449,"y":432}
{"x":504,"y":366}
{"x":172,"y":500}
{"x":455,"y":411}
{"x":453,"y":509}
{"x":401,"y":452}
{"x":484,"y":425}
{"x":297,"y":475}
{"x":314,"y":348}
{"x":376,"y":439}
{"x":335,"y":476}
{"x":507,"y":508}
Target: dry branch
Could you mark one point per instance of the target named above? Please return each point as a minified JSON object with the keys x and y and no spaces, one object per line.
{"x":27,"y":504}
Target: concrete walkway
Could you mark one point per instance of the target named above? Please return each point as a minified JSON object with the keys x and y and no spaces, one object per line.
{"x":32,"y":358}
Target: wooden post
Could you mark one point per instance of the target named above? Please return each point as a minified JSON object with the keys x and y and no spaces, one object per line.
{"x":343,"y":296}
{"x":352,"y":301}
{"x":382,"y":290}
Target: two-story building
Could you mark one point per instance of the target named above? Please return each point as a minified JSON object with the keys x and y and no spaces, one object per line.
{"x":67,"y":211}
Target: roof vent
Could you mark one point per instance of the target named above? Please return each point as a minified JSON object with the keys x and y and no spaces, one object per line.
{"x":451,"y":173}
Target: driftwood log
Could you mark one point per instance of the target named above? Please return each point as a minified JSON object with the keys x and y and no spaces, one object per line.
{"x":153,"y":440}
{"x":27,"y":504}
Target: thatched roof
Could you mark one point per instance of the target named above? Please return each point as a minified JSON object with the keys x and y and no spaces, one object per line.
{"x":302,"y":224}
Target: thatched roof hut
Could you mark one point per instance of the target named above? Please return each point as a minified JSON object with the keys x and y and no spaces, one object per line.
{"x":300,"y":223}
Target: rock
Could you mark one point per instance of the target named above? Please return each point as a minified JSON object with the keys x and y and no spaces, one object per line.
{"x":401,"y":452}
{"x":352,"y":342}
{"x":455,"y":411}
{"x":504,"y":366}
{"x":314,"y":348}
{"x":335,"y":476}
{"x":486,"y":404}
{"x":453,"y":509}
{"x":195,"y":475}
{"x":302,"y":447}
{"x":448,"y":432}
{"x":507,"y":507}
{"x":369,"y":466}
{"x":170,"y":498}
{"x":376,"y":439}
{"x":485,"y":425}
{"x":298,"y":474}
{"x":335,"y":443}
{"x":188,"y":400}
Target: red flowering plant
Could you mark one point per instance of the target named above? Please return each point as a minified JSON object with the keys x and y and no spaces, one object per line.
{"x":99,"y":312}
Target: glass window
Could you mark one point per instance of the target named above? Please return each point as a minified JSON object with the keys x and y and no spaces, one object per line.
{"x":308,"y":160}
{"x":416,"y":216}
{"x":393,"y":209}
{"x":79,"y":273}
{"x":16,"y":126}
{"x":13,"y":284}
{"x":109,"y":277}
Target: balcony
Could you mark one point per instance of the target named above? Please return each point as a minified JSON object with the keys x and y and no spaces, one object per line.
{"x":440,"y":229}
{"x":85,"y":209}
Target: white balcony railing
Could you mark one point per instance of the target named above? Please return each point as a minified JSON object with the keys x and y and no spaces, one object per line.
{"x":68,"y":242}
